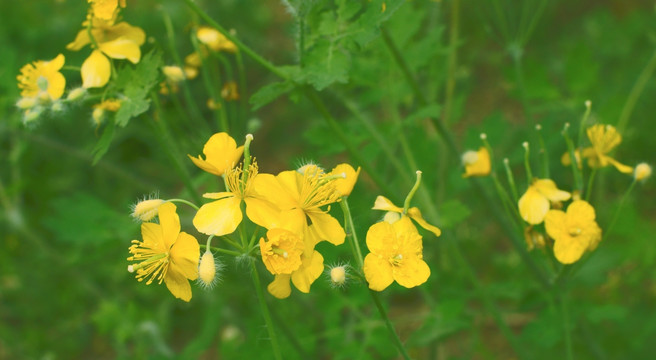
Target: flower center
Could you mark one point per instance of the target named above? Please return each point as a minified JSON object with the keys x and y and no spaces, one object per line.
{"x":396,"y":259}
{"x":42,"y":83}
{"x":575,"y":231}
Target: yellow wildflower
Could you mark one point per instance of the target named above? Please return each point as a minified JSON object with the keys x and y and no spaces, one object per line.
{"x":300,"y":196}
{"x":221,"y":154}
{"x":114,"y":40}
{"x":536,"y":201}
{"x":604,"y":138}
{"x":477,"y":163}
{"x":166,"y":254}
{"x":106,"y":105}
{"x":215,"y":40}
{"x":574,"y":232}
{"x":302,"y":278}
{"x":222,"y":216}
{"x":281,"y":251}
{"x":42,"y":79}
{"x":396,"y":255}
{"x":383,"y":203}
{"x":345,"y":185}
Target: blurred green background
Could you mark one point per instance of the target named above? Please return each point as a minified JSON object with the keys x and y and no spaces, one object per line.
{"x":65,"y":226}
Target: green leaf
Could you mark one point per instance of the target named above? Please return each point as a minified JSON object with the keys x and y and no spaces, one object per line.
{"x":269,"y":93}
{"x":327,"y":63}
{"x":453,"y":212}
{"x":103,"y":144}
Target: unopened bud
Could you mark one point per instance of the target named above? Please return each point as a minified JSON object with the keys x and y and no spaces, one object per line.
{"x":338,"y":275}
{"x":391,"y":217}
{"x":146,"y":210}
{"x":642,"y":172}
{"x":26,"y":103}
{"x":207,"y":270}
{"x":173,"y":73}
{"x":76,"y":94}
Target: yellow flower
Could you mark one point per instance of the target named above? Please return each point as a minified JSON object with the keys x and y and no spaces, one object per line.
{"x":383,"y":203}
{"x":105,"y":9}
{"x":229,"y":91}
{"x":574,"y":232}
{"x":281,"y":251}
{"x":222,"y":216}
{"x":116,"y":41}
{"x":396,"y":255}
{"x":300,"y":196}
{"x":345,"y":185}
{"x":302,"y":278}
{"x":215,"y":40}
{"x":221,"y":154}
{"x":173,"y":74}
{"x":604,"y":138}
{"x":166,"y":254}
{"x":477,"y":163}
{"x":535,"y":202}
{"x":42,"y":79}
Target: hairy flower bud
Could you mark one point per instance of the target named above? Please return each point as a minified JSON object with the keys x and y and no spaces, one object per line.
{"x":146,"y":210}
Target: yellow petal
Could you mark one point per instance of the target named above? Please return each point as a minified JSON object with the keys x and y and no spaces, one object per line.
{"x":219,"y":217}
{"x":170,"y":223}
{"x":383,"y":203}
{"x":481,"y":167}
{"x":272,"y":190}
{"x":178,"y":285}
{"x":411,"y":273}
{"x":378,"y":272}
{"x":262,"y":212}
{"x":280,"y":286}
{"x":152,"y":235}
{"x":121,"y":48}
{"x":221,"y":154}
{"x":555,"y":222}
{"x":309,"y":271}
{"x":415,"y":214}
{"x":327,"y":228}
{"x":81,"y":40}
{"x":56,"y":85}
{"x":345,"y":185}
{"x":580,"y":212}
{"x":96,"y":70}
{"x":619,"y":166}
{"x":548,"y":189}
{"x":218,"y":195}
{"x":570,"y":249}
{"x":127,"y":31}
{"x":184,"y":256}
{"x":533,"y":206}
{"x":380,"y":237}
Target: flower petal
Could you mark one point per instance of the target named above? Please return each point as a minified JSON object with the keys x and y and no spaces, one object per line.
{"x":345,"y":185}
{"x":533,"y":206}
{"x":219,"y":217}
{"x":218,"y":195}
{"x":380,"y":237}
{"x":327,"y":228}
{"x":415,"y":214}
{"x":280,"y":286}
{"x":625,"y":169}
{"x":127,"y":31}
{"x":121,"y":48}
{"x":80,"y":41}
{"x":309,"y":271}
{"x":570,"y":248}
{"x":383,"y":203}
{"x":184,"y":256}
{"x":411,"y":273}
{"x":177,"y":284}
{"x":262,"y":212}
{"x":278,"y":189}
{"x":170,"y":223}
{"x":152,"y":235}
{"x":96,"y":70}
{"x":548,"y":189}
{"x":378,"y":272}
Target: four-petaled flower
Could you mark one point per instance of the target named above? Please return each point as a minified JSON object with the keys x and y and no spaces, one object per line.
{"x":604,"y":138}
{"x":42,"y":80}
{"x":166,"y":254}
{"x":536,"y":201}
{"x":574,"y":231}
{"x":396,"y":255}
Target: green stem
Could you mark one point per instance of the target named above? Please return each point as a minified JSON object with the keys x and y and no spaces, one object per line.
{"x":588,"y":190}
{"x":543,"y":153}
{"x":527,"y":161}
{"x":511,"y":179}
{"x":578,"y":177}
{"x":352,"y":235}
{"x":168,"y":142}
{"x":451,"y":61}
{"x":265,"y":313}
{"x":564,"y":308}
{"x":409,"y":77}
{"x":243,"y":90}
{"x":584,"y":120}
{"x":406,"y":203}
{"x":390,"y":326}
{"x":516,"y":53}
{"x":618,"y":211}
{"x":183,"y":201}
{"x":635,"y":93}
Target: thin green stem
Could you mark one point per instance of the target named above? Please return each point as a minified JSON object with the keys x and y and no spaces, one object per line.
{"x":183,"y":201}
{"x":618,"y":210}
{"x":233,"y":243}
{"x":584,"y":120}
{"x":588,"y":190}
{"x":169,"y":143}
{"x":411,"y":194}
{"x":578,"y":177}
{"x":451,"y":61}
{"x":243,"y":90}
{"x":220,"y":250}
{"x":265,"y":313}
{"x":390,"y":326}
{"x":409,"y":77}
{"x":208,"y":81}
{"x":544,"y":161}
{"x":351,"y":233}
{"x":635,"y":93}
{"x":511,"y":179}
{"x":564,"y":309}
{"x":527,"y":161}
{"x":516,"y":53}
